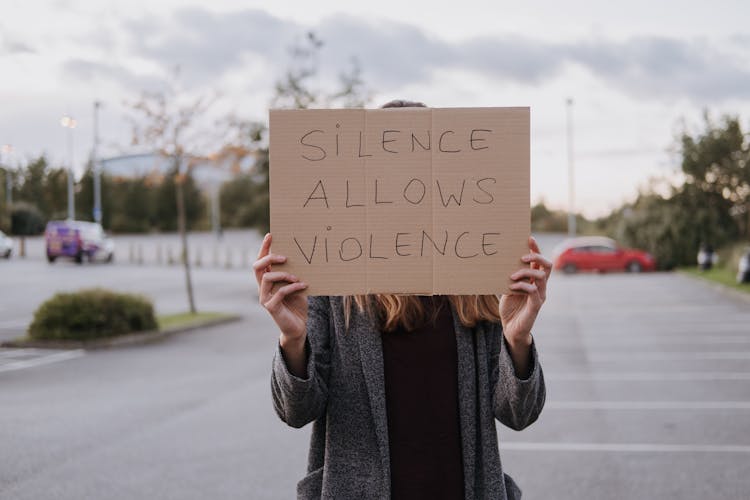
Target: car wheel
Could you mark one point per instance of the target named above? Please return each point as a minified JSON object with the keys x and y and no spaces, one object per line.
{"x":570,"y":268}
{"x":79,"y":258}
{"x":110,"y":257}
{"x":7,"y":254}
{"x":634,"y":267}
{"x":51,"y":259}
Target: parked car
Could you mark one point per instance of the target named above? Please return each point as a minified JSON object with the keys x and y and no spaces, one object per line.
{"x":743,"y":274}
{"x":597,"y":253}
{"x":6,"y":246}
{"x":77,"y":240}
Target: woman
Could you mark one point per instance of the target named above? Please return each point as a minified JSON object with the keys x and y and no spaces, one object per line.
{"x":403,"y":391}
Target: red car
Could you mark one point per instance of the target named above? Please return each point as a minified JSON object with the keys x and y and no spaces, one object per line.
{"x":596,"y":253}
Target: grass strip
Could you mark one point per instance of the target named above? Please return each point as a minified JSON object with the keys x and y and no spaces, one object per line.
{"x":181,"y":320}
{"x":718,"y":275}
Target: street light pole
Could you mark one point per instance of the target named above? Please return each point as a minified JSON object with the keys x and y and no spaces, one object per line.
{"x":216,"y":210}
{"x":97,"y":167}
{"x":571,"y":171}
{"x":4,"y":161}
{"x":69,"y":123}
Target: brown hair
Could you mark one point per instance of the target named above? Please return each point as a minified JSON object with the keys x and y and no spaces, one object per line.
{"x":407,"y":311}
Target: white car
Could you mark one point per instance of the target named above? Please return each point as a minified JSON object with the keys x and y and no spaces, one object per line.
{"x":6,"y":246}
{"x":743,"y":274}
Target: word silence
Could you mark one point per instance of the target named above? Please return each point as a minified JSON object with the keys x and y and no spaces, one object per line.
{"x":409,"y":201}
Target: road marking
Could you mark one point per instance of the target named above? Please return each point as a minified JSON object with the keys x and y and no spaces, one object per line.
{"x":658,"y":356}
{"x":623,"y":447}
{"x":645,"y":340}
{"x":42,"y":360}
{"x":609,"y":329}
{"x":21,"y":352}
{"x":648,"y":405}
{"x":650,"y":376}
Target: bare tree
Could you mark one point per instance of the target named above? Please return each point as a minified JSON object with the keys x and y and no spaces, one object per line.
{"x":295,"y":88}
{"x":165,"y":121}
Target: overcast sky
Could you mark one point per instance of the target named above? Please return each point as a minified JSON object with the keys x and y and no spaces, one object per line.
{"x":638,"y":71}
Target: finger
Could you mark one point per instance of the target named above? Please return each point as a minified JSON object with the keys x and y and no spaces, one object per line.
{"x":265,"y":247}
{"x":268,"y":280}
{"x":274,"y":303}
{"x":533,"y":245}
{"x":524,"y":287}
{"x":529,"y":289}
{"x":274,"y":276}
{"x":263,"y":264}
{"x":527,"y":272}
{"x":267,"y":260}
{"x":538,"y":259}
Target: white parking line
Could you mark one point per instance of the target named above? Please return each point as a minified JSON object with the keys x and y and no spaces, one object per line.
{"x":660,"y":356}
{"x":649,"y":330}
{"x":650,"y":376}
{"x":645,"y":340}
{"x":42,"y":360}
{"x":648,"y":405}
{"x":623,"y":447}
{"x":26,"y":351}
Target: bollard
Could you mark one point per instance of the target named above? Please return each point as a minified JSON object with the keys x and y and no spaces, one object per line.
{"x":140,"y":254}
{"x":198,"y":257}
{"x":170,"y":257}
{"x":228,"y":263}
{"x":158,"y":254}
{"x":131,"y":253}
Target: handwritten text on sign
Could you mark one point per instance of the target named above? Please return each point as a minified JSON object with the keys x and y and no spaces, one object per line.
{"x":417,"y":200}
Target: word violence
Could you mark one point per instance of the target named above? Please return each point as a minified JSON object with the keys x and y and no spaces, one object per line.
{"x":464,"y":245}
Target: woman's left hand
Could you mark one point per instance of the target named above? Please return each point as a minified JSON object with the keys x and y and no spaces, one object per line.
{"x":519,"y":310}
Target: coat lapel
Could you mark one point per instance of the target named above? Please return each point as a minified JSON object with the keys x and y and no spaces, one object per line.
{"x":371,"y":353}
{"x":466,"y":400}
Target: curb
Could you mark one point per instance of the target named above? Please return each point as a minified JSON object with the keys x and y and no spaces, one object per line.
{"x":128,"y":339}
{"x":723,"y":289}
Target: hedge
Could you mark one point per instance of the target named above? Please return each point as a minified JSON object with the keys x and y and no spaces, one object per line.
{"x":91,"y":314}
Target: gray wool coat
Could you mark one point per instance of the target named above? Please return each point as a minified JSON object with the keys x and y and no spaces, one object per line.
{"x":343,"y":394}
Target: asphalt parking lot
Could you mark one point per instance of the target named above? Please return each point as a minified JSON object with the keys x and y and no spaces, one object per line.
{"x":648,"y":396}
{"x":648,"y":392}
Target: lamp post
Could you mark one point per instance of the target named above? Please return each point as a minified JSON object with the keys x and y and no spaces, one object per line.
{"x":571,"y":171}
{"x":97,"y":167}
{"x":70,"y":123}
{"x":7,"y":149}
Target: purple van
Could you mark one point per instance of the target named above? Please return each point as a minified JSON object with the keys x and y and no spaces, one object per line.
{"x":76,"y":240}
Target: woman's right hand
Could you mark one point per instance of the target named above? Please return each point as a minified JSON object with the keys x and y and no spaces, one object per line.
{"x":285,"y":303}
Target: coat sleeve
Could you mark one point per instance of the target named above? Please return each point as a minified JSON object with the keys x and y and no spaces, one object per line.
{"x":298,"y":401}
{"x":517,"y":402}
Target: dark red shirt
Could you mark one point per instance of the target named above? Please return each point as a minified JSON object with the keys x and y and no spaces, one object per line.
{"x":421,"y":393}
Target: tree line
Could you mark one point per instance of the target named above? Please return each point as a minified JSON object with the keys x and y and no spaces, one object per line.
{"x":129,"y":205}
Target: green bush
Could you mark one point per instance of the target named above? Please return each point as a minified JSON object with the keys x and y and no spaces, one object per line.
{"x":91,"y":314}
{"x":26,"y":219}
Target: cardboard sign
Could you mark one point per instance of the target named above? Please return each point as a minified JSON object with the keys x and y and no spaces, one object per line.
{"x":420,"y":201}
